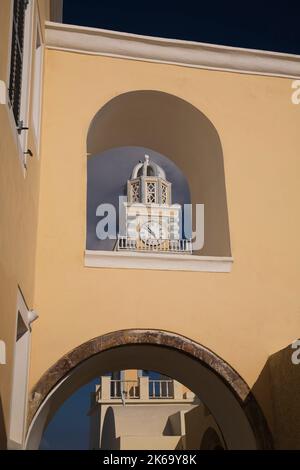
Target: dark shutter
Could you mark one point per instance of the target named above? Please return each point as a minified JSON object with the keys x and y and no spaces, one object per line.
{"x":16,"y":63}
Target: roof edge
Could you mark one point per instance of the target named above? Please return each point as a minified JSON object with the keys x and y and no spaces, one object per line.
{"x":86,"y":40}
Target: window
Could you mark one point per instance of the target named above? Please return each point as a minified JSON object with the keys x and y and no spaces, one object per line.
{"x":16,"y":61}
{"x":151,"y":192}
{"x":164,"y":194}
{"x":37,"y":85}
{"x":135,"y":191}
{"x":20,"y":61}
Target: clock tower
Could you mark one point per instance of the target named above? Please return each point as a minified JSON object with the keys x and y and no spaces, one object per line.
{"x":152,"y":222}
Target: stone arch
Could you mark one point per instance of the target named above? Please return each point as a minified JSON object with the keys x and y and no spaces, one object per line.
{"x":220,"y":387}
{"x":177,"y":129}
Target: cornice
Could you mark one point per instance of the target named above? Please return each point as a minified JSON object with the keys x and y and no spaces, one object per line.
{"x":102,"y":42}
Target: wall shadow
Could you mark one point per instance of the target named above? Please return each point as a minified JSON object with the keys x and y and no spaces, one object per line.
{"x":277,"y":391}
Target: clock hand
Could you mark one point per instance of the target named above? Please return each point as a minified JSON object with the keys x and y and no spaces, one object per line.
{"x":151,"y":232}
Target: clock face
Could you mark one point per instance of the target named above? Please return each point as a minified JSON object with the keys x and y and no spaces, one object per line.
{"x":153,"y":233}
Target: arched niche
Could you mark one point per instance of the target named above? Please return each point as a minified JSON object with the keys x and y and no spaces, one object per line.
{"x":175,"y":128}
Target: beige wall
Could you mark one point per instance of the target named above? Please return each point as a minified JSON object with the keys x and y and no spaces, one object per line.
{"x":243,"y":316}
{"x":130,"y":374}
{"x":18,"y":212}
{"x":143,"y":426}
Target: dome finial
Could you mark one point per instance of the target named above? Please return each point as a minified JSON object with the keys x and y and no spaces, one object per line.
{"x":145,"y":165}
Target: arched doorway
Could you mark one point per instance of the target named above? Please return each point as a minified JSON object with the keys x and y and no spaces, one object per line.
{"x":222,"y":390}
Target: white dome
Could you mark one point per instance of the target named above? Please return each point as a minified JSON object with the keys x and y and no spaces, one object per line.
{"x":147,"y":168}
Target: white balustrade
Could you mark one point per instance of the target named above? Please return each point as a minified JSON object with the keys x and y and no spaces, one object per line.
{"x":143,"y":389}
{"x":124,"y":388}
{"x":161,"y":246}
{"x":161,"y":389}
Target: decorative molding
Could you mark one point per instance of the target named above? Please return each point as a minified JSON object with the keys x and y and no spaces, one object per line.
{"x":164,"y":261}
{"x":170,"y":51}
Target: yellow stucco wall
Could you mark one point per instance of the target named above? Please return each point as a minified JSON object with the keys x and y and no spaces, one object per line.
{"x":18,"y":211}
{"x":243,"y":316}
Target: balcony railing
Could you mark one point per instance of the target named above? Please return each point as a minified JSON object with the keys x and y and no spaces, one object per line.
{"x":162,"y":246}
{"x":161,"y":389}
{"x":124,"y":389}
{"x":141,"y":389}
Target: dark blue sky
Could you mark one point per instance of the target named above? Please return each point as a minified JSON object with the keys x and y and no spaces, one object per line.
{"x":273,"y":26}
{"x":69,"y":429}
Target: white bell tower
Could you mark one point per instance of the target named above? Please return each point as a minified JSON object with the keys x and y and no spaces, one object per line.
{"x":152,"y":223}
